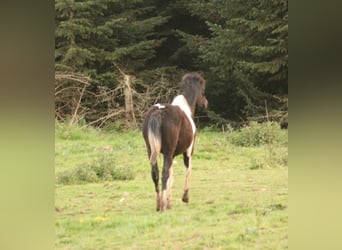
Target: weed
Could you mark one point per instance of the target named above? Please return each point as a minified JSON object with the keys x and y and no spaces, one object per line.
{"x":257,"y":134}
{"x":100,"y":169}
{"x":257,"y":163}
{"x":73,"y":132}
{"x":267,"y":135}
{"x":117,"y":126}
{"x":240,"y":209}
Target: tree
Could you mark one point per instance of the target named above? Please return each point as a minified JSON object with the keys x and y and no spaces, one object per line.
{"x":246,"y":54}
{"x":92,"y":36}
{"x":240,"y":47}
{"x":75,"y":25}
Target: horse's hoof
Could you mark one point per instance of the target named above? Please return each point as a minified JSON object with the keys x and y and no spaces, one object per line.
{"x":185,"y":199}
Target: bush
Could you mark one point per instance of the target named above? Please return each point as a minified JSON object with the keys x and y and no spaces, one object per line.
{"x":99,"y":170}
{"x":256,"y":134}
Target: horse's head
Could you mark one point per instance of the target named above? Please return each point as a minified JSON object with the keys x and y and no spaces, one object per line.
{"x":193,"y":86}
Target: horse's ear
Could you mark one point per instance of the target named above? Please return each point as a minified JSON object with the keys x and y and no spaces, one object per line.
{"x":183,"y":81}
{"x":192,"y":77}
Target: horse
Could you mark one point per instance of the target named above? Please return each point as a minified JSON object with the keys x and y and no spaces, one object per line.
{"x":170,"y":129}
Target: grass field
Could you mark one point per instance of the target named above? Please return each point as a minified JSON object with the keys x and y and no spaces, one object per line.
{"x":238,"y":194}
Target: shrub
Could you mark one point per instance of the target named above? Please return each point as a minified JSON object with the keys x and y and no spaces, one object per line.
{"x":256,"y":134}
{"x":99,"y":170}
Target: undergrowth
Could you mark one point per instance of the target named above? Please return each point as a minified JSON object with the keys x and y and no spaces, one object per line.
{"x":100,"y":162}
{"x":257,"y":134}
{"x":100,"y":169}
{"x":74,"y":132}
{"x":268,"y":137}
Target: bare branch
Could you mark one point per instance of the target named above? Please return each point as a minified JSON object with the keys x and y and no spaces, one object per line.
{"x":73,"y":119}
{"x":105,"y":118}
{"x":123,"y":74}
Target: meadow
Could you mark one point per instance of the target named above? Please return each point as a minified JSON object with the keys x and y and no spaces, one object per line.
{"x":105,"y":199}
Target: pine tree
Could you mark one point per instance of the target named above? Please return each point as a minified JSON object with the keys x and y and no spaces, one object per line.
{"x":246,"y":53}
{"x":239,"y":46}
{"x":92,"y":35}
{"x":74,"y":28}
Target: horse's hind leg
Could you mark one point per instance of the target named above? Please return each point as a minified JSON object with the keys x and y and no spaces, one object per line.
{"x":155,"y":178}
{"x":167,"y":181}
{"x":169,"y":185}
{"x":187,"y":163}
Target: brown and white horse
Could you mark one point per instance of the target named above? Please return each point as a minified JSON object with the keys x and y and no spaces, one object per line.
{"x":169,"y":129}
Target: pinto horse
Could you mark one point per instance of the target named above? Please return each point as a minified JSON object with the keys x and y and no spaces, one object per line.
{"x":169,"y":129}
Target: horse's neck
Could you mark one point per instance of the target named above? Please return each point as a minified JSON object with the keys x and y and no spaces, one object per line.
{"x":181,"y":102}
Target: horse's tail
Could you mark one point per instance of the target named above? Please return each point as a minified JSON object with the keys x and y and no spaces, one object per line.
{"x":154,"y":136}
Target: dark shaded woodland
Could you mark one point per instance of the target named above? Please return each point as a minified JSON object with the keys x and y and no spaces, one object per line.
{"x":114,"y":58}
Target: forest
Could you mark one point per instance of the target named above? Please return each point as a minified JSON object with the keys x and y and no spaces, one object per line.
{"x":116,"y":58}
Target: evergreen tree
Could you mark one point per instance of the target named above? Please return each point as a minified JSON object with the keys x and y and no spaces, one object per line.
{"x":239,"y":46}
{"x":92,"y":35}
{"x":174,"y":51}
{"x":75,"y":24}
{"x":246,"y":53}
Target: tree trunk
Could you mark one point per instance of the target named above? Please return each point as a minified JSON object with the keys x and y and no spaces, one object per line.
{"x":129,"y":112}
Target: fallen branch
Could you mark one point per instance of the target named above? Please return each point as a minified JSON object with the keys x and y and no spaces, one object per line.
{"x":105,"y":118}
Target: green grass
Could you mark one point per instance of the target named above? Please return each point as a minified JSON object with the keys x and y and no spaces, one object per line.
{"x":238,"y":195}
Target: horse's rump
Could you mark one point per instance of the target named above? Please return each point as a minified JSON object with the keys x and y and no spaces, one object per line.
{"x":168,"y":130}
